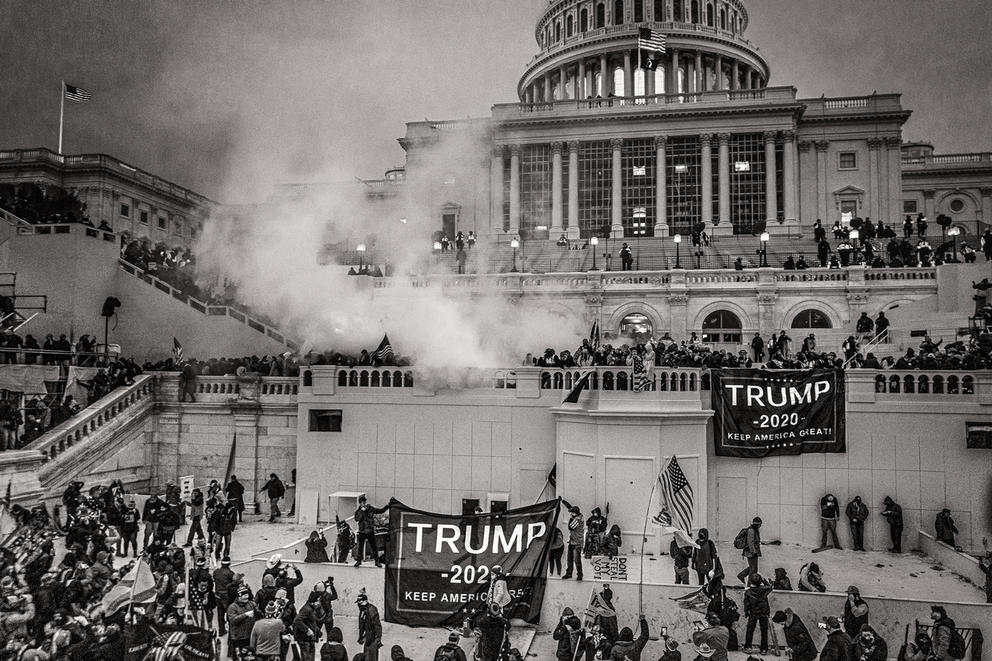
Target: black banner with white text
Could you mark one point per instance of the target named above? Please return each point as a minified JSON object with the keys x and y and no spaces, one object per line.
{"x":440,"y":565}
{"x":761,"y":413}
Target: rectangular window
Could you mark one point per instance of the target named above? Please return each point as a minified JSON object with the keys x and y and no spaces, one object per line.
{"x":747,"y":181}
{"x":535,"y":186}
{"x":639,"y":192}
{"x":325,"y":420}
{"x":595,"y":188}
{"x":909,"y":206}
{"x":126,"y":210}
{"x":162,"y":223}
{"x":849,"y":206}
{"x":979,"y":435}
{"x":848,"y":160}
{"x":143,"y":217}
{"x":684,"y":183}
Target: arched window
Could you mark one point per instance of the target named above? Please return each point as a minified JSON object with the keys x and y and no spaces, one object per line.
{"x":617,"y":12}
{"x":659,"y":10}
{"x":583,"y":20}
{"x":722,"y":326}
{"x":618,"y":82}
{"x":659,"y":80}
{"x":638,"y":11}
{"x":723,"y":19}
{"x":569,"y":26}
{"x":600,"y":15}
{"x":811,"y":319}
{"x":636,"y":326}
{"x":678,"y":11}
{"x":557,"y":31}
{"x":709,"y":15}
{"x":694,"y":18}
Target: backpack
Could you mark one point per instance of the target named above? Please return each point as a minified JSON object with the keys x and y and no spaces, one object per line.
{"x":444,"y":653}
{"x":740,"y":542}
{"x":957,"y":645}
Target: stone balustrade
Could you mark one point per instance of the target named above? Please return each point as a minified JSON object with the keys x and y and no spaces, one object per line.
{"x":662,"y":379}
{"x":249,"y":388}
{"x":120,"y":404}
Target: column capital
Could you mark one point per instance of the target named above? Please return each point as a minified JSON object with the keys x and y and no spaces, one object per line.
{"x":573,"y":146}
{"x":499,"y":151}
{"x":660,"y":141}
{"x":769,"y":136}
{"x":893,"y":142}
{"x":724,"y":138}
{"x":874,"y":144}
{"x":556,"y":147}
{"x":616,"y":143}
{"x":986,"y":191}
{"x":929,"y":193}
{"x":788,"y":136}
{"x":821,"y":145}
{"x":705,"y":138}
{"x":514,"y":150}
{"x":804,"y":146}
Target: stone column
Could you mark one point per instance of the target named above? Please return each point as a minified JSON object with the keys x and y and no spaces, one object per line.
{"x":822,"y":208}
{"x":735,"y":76}
{"x":771,"y":193}
{"x":605,"y":83}
{"x":718,"y":70}
{"x":628,"y":75}
{"x":929,"y":206}
{"x":556,"y":199}
{"x":725,"y":226}
{"x":673,"y":80}
{"x":573,"y":190}
{"x":806,"y":177}
{"x":514,"y":189}
{"x":580,"y":81}
{"x":648,"y":80}
{"x":891,"y":205}
{"x":986,"y":210}
{"x":789,"y":176}
{"x":876,"y":189}
{"x":706,"y":179}
{"x":616,"y":200}
{"x":549,"y":89}
{"x":661,"y":193}
{"x":699,"y":74}
{"x":562,"y":77}
{"x":496,"y":189}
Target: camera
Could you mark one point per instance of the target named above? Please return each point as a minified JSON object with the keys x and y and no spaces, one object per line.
{"x":822,"y":625}
{"x":664,"y":632}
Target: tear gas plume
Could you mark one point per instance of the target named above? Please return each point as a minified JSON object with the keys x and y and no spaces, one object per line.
{"x":277,"y":257}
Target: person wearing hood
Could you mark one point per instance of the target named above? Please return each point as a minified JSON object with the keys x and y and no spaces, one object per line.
{"x":396,"y":653}
{"x":704,"y":557}
{"x":942,"y":633}
{"x":450,"y":651}
{"x":576,"y":528}
{"x":316,"y":547}
{"x":627,"y":648}
{"x":714,"y":636}
{"x":568,"y":634}
{"x":797,"y":638}
{"x":595,"y":528}
{"x":892,"y":512}
{"x":811,"y":578}
{"x":612,"y":541}
{"x":306,"y":626}
{"x":829,"y":514}
{"x":839,"y":646}
{"x":782,"y":581}
{"x":869,"y":646}
{"x":608,"y":623}
{"x":855,"y":612}
{"x":857,"y":514}
{"x":756,"y":610}
{"x":267,"y":592}
{"x":369,"y":628}
{"x":945,"y":528}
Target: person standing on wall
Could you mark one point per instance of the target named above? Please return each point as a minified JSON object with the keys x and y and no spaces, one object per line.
{"x":893,"y":514}
{"x":748,"y":540}
{"x":275,"y":490}
{"x":829,"y":514}
{"x":857,"y":513}
{"x":236,"y":494}
{"x":576,"y":531}
{"x":365,"y":520}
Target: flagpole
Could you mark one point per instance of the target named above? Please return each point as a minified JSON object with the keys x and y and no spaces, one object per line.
{"x":61,"y":112}
{"x":640,"y":580}
{"x":585,"y":618}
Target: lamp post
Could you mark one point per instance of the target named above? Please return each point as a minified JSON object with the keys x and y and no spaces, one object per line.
{"x":360,"y":248}
{"x":594,"y":242}
{"x":854,"y":236}
{"x":764,"y":248}
{"x":953,"y":233}
{"x":678,"y":242}
{"x":514,"y":243}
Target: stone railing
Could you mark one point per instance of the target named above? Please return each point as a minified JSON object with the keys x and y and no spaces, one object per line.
{"x":250,"y":388}
{"x":944,"y":386}
{"x":840,"y":105}
{"x":913,"y":382}
{"x":949,"y":159}
{"x":206,"y":308}
{"x":120,"y":404}
{"x":374,"y":377}
{"x":47,"y":229}
{"x":663,"y":379}
{"x":906,"y":273}
{"x":12,"y":219}
{"x":712,"y":97}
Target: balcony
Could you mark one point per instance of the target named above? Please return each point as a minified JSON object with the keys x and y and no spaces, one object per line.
{"x":973,"y":161}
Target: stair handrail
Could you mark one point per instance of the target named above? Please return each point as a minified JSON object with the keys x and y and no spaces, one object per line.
{"x":881,"y":338}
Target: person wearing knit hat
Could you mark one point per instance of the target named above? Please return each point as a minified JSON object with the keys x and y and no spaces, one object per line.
{"x":451,"y":650}
{"x":672,"y":652}
{"x":369,"y":627}
{"x":797,"y":636}
{"x":839,"y":645}
{"x":568,"y":625}
{"x":266,"y":635}
{"x":855,"y":612}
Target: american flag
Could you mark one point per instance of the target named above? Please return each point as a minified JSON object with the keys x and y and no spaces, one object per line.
{"x":384,"y":354}
{"x":650,"y":41}
{"x":677,"y":492}
{"x":76,"y":94}
{"x":177,"y":351}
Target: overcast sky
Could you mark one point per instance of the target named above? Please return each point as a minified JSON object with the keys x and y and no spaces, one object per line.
{"x":228,"y":97}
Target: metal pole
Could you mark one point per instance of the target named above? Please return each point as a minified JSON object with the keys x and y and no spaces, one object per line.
{"x":61,"y":111}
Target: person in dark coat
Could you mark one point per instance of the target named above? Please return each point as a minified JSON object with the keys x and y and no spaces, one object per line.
{"x":839,"y":646}
{"x":493,"y":631}
{"x":680,"y":556}
{"x":629,"y":648}
{"x":450,"y":651}
{"x":945,"y":527}
{"x":316,"y":547}
{"x":756,"y":610}
{"x":344,"y":541}
{"x":565,"y":633}
{"x":797,"y":636}
{"x":334,"y":649}
{"x":275,"y":490}
{"x":855,"y":612}
{"x":829,"y":514}
{"x":365,"y":519}
{"x":893,"y":514}
{"x":704,"y":557}
{"x":857,"y":514}
{"x":369,"y":628}
{"x":869,"y":646}
{"x":236,"y":494}
{"x":782,"y":580}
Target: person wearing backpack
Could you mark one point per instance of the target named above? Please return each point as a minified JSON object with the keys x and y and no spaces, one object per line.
{"x":748,"y":540}
{"x":565,"y":633}
{"x":275,"y":490}
{"x":947,"y":641}
{"x":451,"y":650}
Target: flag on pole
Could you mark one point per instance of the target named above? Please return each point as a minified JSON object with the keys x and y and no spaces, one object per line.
{"x":697,"y":601}
{"x":640,"y":374}
{"x":384,"y":354}
{"x":553,"y":476}
{"x":580,"y":385}
{"x":594,"y":335}
{"x":177,"y":351}
{"x":75,"y":94}
{"x":677,"y":506}
{"x":230,"y":460}
{"x":651,"y":41}
{"x":137,"y":587}
{"x":598,"y":606}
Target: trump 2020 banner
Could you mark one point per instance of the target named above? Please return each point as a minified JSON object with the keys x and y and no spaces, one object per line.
{"x":762,"y":413}
{"x":440,"y":565}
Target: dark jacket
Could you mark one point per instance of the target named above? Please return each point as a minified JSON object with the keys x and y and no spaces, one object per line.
{"x":857,"y":511}
{"x":369,"y":626}
{"x":365,"y":518}
{"x":892,"y":513}
{"x":457,"y":653}
{"x":316,"y":549}
{"x":704,"y":557}
{"x":629,"y":647}
{"x":274,"y":488}
{"x":563,"y":634}
{"x":756,"y":600}
{"x":838,"y":647}
{"x":879,"y":651}
{"x":797,"y":637}
{"x":852,"y":622}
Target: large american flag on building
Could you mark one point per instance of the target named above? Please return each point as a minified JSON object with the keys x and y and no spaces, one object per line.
{"x":678,"y":496}
{"x":76,"y":94}
{"x":649,"y":40}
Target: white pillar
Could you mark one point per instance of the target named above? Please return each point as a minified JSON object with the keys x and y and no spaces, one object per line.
{"x":822,"y":203}
{"x":616,"y":201}
{"x":556,"y":199}
{"x":724,"y":177}
{"x":661,"y":194}
{"x":514,"y":189}
{"x":771,"y":193}
{"x":706,"y":176}
{"x":496,"y":189}
{"x":789,"y":176}
{"x":573,"y":190}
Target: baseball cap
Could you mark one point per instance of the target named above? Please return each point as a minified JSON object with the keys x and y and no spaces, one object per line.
{"x":831,"y":622}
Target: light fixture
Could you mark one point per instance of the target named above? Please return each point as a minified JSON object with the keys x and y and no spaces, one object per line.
{"x":764,"y":236}
{"x":514,"y":243}
{"x":854,"y":235}
{"x":437,"y":245}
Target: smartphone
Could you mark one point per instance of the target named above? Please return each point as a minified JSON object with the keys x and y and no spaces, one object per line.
{"x":664,"y":631}
{"x":821,"y":625}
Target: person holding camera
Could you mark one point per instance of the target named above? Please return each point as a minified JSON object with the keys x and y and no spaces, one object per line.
{"x":327,"y":594}
{"x":839,"y":646}
{"x":316,"y":547}
{"x":799,"y":644}
{"x":756,"y":610}
{"x":568,"y":633}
